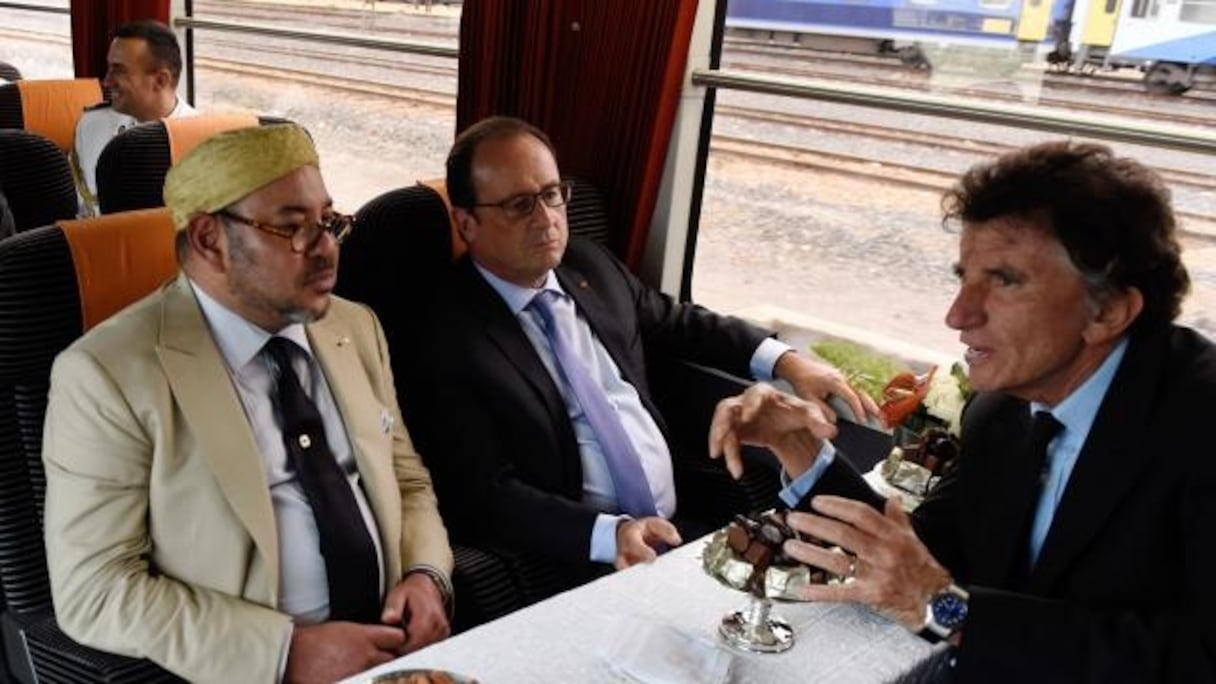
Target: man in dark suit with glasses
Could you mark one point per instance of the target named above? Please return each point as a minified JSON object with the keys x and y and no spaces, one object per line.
{"x":537,"y":420}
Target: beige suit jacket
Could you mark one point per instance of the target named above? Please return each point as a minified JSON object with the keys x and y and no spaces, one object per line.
{"x":160,"y":533}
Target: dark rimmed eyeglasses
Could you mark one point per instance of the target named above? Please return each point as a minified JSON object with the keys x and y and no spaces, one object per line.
{"x":521,"y":206}
{"x":303,"y":236}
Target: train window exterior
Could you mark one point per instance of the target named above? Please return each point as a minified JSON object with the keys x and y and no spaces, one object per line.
{"x":1199,"y":11}
{"x":1140,"y":8}
{"x":1112,"y":6}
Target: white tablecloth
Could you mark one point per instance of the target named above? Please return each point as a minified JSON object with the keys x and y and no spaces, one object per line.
{"x":564,"y":638}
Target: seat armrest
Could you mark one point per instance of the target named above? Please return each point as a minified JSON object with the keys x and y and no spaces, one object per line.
{"x":34,"y":639}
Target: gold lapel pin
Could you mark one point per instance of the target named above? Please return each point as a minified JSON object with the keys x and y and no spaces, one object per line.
{"x":584,"y":284}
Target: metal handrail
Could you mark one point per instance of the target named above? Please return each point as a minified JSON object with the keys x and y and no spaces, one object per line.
{"x":1067,"y":123}
{"x":35,"y":8}
{"x":323,"y":37}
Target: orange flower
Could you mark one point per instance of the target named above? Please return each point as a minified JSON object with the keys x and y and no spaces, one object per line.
{"x":903,"y":395}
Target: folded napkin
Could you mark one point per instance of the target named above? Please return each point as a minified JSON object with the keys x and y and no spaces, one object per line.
{"x":661,"y":654}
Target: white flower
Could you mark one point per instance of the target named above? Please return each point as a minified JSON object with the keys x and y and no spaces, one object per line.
{"x":945,"y":400}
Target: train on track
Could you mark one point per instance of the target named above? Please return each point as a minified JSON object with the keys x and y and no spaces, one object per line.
{"x":1174,"y":43}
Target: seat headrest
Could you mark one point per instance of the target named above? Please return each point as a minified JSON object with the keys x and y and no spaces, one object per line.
{"x":119,"y":258}
{"x":131,"y":169}
{"x":36,"y":178}
{"x":186,"y":132}
{"x":51,"y":108}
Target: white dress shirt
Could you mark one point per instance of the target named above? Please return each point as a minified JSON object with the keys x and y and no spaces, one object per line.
{"x":303,"y":583}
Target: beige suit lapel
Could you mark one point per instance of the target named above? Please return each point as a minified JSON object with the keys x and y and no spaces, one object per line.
{"x":366,"y":426}
{"x":217,"y":422}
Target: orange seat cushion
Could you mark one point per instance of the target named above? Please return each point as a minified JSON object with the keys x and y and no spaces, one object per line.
{"x":138,"y":243}
{"x":186,"y":132}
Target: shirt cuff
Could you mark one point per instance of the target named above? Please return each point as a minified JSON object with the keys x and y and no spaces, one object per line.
{"x":764,"y":359}
{"x":796,"y":490}
{"x":603,"y":537}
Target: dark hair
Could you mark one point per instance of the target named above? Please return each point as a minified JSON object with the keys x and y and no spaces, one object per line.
{"x":460,"y":159}
{"x":1112,"y":214}
{"x":162,"y":44}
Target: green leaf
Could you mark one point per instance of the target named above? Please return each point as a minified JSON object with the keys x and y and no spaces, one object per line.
{"x":866,"y":370}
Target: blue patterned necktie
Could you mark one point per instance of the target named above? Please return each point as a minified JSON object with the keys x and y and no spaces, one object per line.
{"x":632,"y":490}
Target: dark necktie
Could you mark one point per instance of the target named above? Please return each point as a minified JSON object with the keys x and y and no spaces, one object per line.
{"x":632,"y":489}
{"x":351,"y":564}
{"x":1043,"y":428}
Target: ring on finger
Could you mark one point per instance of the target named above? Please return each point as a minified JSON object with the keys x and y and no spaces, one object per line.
{"x":851,"y":574}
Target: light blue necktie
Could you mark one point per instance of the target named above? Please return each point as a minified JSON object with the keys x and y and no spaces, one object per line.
{"x":632,"y":490}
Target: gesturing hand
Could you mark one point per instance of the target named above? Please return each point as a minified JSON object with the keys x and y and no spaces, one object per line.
{"x":792,"y":428}
{"x":892,"y":572}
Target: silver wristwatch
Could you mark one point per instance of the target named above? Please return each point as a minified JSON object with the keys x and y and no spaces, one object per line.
{"x":945,"y":613}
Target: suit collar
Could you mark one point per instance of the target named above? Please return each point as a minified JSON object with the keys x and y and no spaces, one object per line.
{"x":366,"y":421}
{"x":213,"y":411}
{"x":1112,"y":459}
{"x":493,"y":315}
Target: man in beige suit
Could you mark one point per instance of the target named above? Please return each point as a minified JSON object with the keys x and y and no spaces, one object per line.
{"x":185,"y":521}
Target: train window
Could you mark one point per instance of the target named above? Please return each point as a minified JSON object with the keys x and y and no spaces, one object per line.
{"x":1199,"y":11}
{"x":38,"y":43}
{"x":381,"y":120}
{"x":1112,"y":6}
{"x":822,"y":217}
{"x":1139,"y":8}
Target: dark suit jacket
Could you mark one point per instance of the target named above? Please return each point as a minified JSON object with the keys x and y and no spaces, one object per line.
{"x":1125,"y":585}
{"x":492,"y":424}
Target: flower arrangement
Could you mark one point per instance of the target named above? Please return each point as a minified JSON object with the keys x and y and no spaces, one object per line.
{"x":924,"y":412}
{"x":930,"y":401}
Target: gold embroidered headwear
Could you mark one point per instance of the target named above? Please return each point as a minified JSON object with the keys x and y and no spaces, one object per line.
{"x":228,"y":166}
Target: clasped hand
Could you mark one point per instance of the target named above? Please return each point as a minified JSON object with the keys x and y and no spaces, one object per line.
{"x":413,"y":616}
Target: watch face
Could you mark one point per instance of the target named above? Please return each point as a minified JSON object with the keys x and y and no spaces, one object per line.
{"x":949,"y":610}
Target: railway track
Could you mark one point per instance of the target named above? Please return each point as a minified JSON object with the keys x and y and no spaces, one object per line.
{"x":908,"y":175}
{"x":887,"y":172}
{"x":937,"y":141}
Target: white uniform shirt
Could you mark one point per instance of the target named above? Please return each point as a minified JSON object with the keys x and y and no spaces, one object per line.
{"x":97,"y":126}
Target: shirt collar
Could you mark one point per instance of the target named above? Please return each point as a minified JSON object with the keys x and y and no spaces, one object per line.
{"x":1078,"y":410}
{"x":238,"y":339}
{"x":517,"y":297}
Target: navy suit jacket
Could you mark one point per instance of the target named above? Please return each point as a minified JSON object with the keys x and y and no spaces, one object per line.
{"x":492,"y":424}
{"x":1125,"y":585}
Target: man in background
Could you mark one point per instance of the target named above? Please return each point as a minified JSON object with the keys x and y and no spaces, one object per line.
{"x":1072,"y":540}
{"x":143,"y":68}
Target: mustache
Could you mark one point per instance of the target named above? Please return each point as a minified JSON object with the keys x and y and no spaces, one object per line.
{"x":321,"y":265}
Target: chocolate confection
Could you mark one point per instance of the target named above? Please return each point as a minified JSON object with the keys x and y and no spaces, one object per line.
{"x":758,"y":539}
{"x":934,"y":452}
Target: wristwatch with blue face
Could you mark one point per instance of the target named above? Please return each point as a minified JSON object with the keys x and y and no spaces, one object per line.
{"x":945,"y":613}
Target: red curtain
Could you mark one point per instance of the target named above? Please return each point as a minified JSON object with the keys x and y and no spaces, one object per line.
{"x":93,"y":25}
{"x":601,"y":77}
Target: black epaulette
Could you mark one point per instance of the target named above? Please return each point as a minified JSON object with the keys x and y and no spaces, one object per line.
{"x":104,"y":104}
